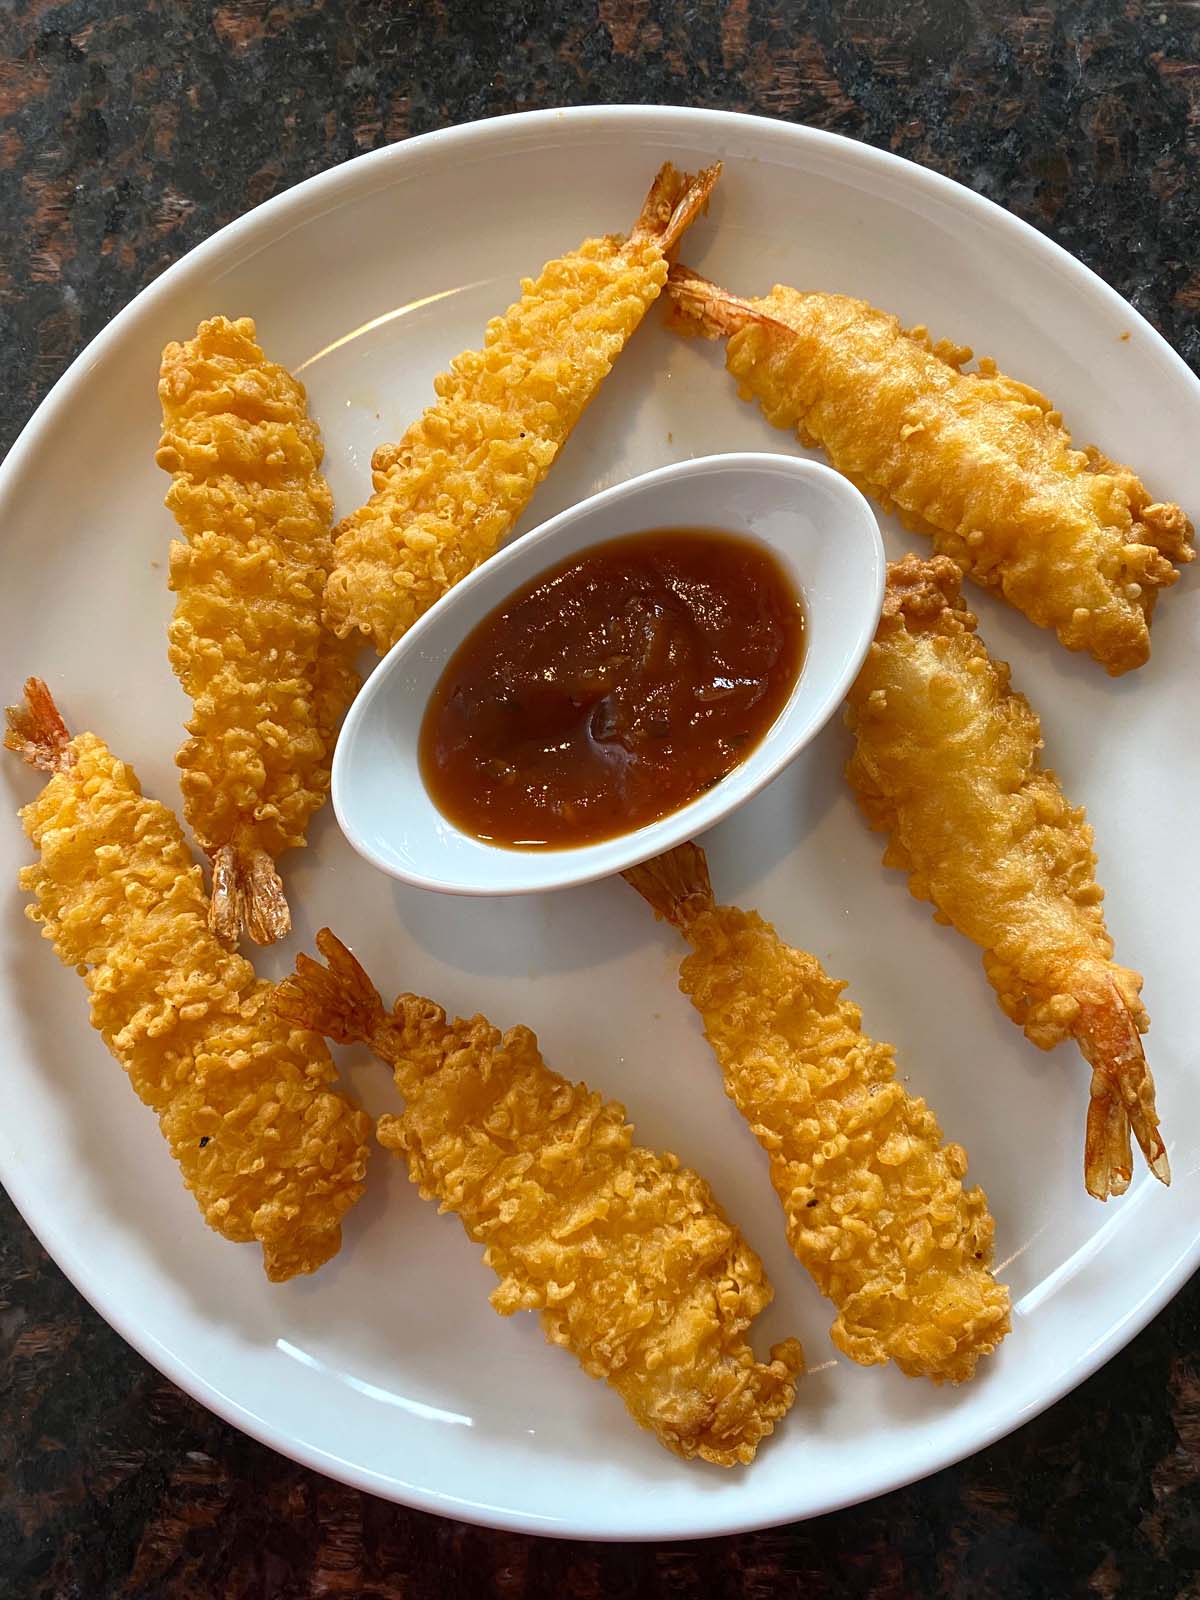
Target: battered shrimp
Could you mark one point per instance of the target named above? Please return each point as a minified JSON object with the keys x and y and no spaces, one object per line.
{"x":270,"y":1151}
{"x":451,"y":490}
{"x":634,"y":1267}
{"x":874,"y":1201}
{"x":979,"y":461}
{"x":947,"y":765}
{"x":268,"y":683}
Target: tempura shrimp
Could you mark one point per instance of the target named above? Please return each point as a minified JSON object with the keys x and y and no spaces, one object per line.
{"x":874,"y":1200}
{"x":979,"y":461}
{"x":451,"y":490}
{"x":632,"y":1264}
{"x":947,"y":764}
{"x":268,"y":682}
{"x":272,"y":1153}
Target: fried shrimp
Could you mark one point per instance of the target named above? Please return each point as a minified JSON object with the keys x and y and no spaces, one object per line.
{"x":451,"y":490}
{"x":947,"y":764}
{"x":268,"y":682}
{"x":270,"y":1151}
{"x":979,"y":461}
{"x":634,"y":1267}
{"x":874,"y":1201}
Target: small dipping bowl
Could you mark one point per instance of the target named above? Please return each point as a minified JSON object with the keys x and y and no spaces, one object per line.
{"x":819,"y":529}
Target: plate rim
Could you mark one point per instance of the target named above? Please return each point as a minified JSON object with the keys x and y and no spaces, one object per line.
{"x":313,"y":193}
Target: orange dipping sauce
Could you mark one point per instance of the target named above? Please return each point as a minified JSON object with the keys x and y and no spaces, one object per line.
{"x":613,"y":689}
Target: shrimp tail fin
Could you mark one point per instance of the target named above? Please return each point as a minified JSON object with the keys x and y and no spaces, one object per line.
{"x":701,"y":307}
{"x":1107,"y":1151}
{"x":674,"y":202}
{"x":247,"y":893}
{"x":337,"y":999}
{"x":676,"y":885}
{"x":37,"y":732}
{"x":1122,"y":1094}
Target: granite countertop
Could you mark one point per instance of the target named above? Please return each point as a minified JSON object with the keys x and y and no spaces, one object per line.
{"x":127,"y":134}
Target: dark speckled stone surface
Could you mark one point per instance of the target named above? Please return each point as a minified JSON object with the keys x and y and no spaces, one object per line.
{"x":127,"y":134}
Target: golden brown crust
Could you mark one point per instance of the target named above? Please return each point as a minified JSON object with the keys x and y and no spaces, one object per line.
{"x":947,"y":763}
{"x":268,"y":683}
{"x":625,"y":1254}
{"x":925,"y":596}
{"x":449,"y":492}
{"x":270,"y":1150}
{"x":979,"y":461}
{"x":874,"y":1200}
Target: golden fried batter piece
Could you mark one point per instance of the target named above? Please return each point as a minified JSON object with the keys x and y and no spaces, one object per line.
{"x":268,"y":682}
{"x":979,"y":461}
{"x":270,"y":1151}
{"x":451,"y":490}
{"x":947,"y":765}
{"x":634,"y":1267}
{"x":874,"y":1201}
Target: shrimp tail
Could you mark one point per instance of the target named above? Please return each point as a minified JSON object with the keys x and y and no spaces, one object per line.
{"x":673,"y":203}
{"x":1122,"y":1094}
{"x":37,"y":732}
{"x":676,"y":885}
{"x":337,"y":999}
{"x":1107,"y":1150}
{"x":701,"y":307}
{"x":247,"y":893}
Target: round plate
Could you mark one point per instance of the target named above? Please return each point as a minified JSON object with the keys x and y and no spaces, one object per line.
{"x":388,"y":1369}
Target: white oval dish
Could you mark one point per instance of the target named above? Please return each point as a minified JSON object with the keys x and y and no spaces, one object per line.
{"x":818,"y":527}
{"x":388,"y":1369}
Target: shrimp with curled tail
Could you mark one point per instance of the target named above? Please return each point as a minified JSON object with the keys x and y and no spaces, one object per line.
{"x":978,"y":460}
{"x":874,"y":1200}
{"x":451,"y":489}
{"x":634,"y":1267}
{"x":946,"y":763}
{"x":269,"y":1148}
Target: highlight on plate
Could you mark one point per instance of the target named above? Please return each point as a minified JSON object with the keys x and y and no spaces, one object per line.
{"x":609,"y":692}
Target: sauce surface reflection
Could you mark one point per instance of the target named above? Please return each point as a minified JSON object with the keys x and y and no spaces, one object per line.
{"x":613,"y":689}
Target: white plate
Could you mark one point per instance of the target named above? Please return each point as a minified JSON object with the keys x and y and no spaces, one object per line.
{"x":815,"y":523}
{"x":388,"y":1369}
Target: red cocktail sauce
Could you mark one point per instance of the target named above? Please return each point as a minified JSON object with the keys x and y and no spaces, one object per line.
{"x":613,"y":689}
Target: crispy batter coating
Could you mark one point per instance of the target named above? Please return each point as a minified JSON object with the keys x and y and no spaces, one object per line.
{"x":874,"y":1201}
{"x":268,"y":682}
{"x":634,"y":1267}
{"x":947,"y":765}
{"x":979,"y":461}
{"x":271,"y":1152}
{"x":451,"y":490}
